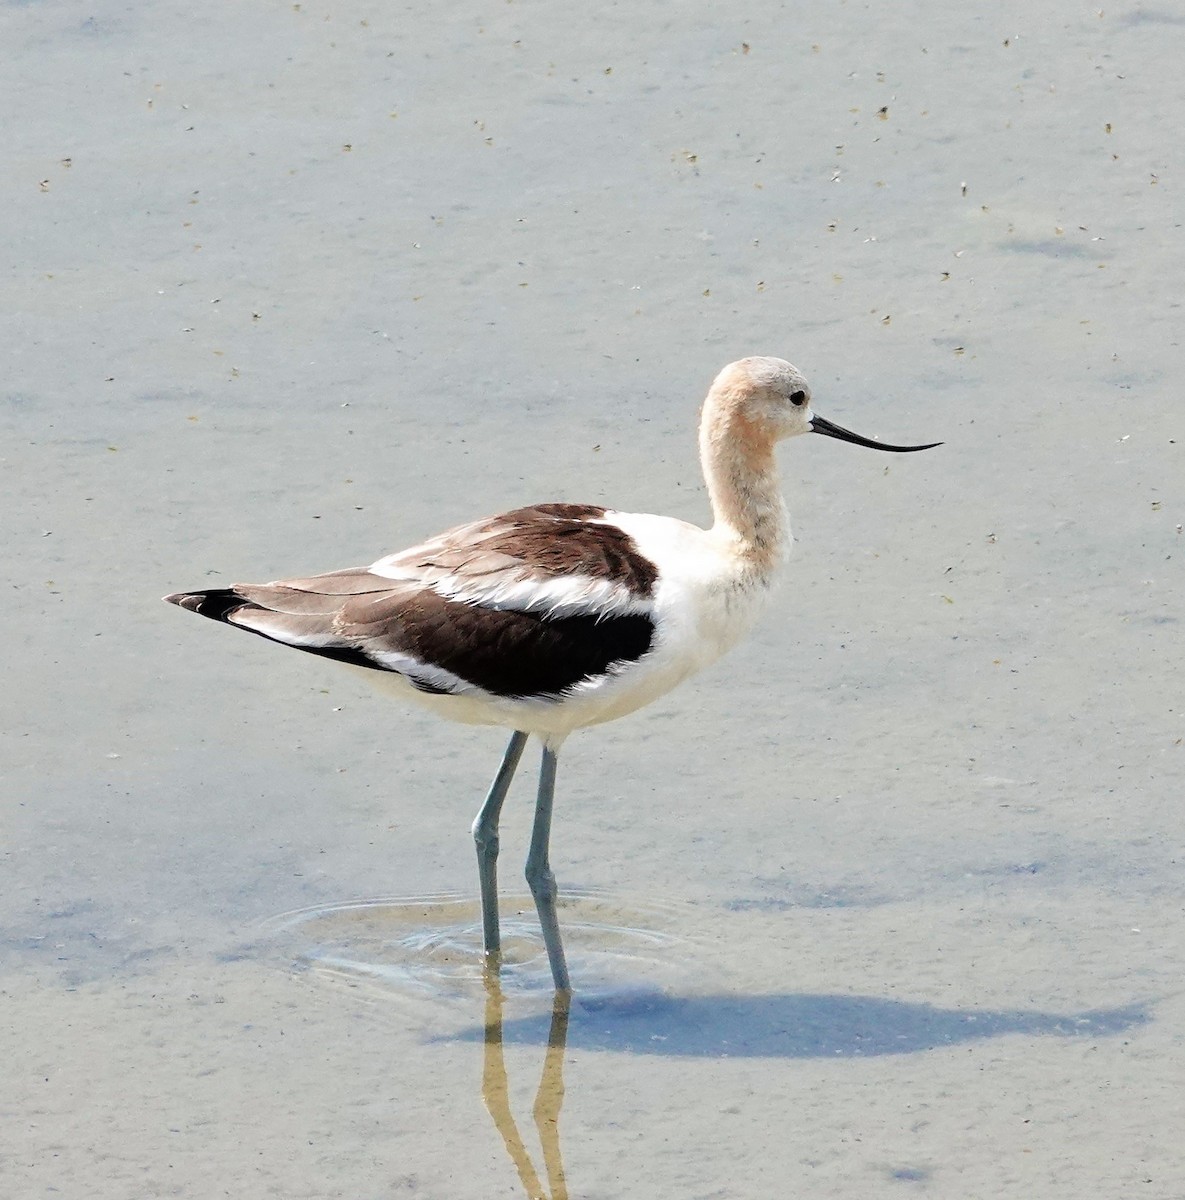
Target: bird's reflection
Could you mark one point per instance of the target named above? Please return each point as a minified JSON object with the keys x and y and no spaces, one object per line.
{"x":549,"y":1099}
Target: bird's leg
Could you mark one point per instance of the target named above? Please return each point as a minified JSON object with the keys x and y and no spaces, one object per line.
{"x":539,"y":874}
{"x":485,"y":835}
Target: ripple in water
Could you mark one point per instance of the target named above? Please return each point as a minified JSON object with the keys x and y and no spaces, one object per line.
{"x":433,"y":943}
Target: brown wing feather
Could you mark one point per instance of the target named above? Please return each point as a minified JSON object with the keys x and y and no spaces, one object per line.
{"x":543,"y":542}
{"x":398,"y":622}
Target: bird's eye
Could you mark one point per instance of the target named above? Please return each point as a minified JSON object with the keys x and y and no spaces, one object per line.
{"x":798,"y":399}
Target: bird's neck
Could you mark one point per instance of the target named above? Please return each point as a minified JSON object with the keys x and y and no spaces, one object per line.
{"x":743,"y":485}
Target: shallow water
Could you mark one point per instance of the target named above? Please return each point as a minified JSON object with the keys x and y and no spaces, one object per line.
{"x":431,"y":946}
{"x":887,"y":902}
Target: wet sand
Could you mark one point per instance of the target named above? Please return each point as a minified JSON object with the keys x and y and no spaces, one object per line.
{"x":889,"y":901}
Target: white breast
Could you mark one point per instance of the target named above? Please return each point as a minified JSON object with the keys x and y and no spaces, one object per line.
{"x":706,"y":599}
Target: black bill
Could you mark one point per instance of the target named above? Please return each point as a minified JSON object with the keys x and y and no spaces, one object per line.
{"x":820,"y":425}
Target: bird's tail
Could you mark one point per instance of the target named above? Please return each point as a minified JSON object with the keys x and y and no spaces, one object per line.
{"x":218,"y":603}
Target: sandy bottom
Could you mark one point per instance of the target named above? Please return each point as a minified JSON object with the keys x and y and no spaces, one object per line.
{"x":890,"y":901}
{"x":357,"y":1051}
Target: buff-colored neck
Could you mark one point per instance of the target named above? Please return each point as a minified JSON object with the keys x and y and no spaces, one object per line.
{"x":742,"y":477}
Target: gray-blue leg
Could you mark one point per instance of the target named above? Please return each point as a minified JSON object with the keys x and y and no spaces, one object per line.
{"x":539,"y":874}
{"x":485,"y":835}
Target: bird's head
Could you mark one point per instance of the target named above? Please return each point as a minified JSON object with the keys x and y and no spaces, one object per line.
{"x":772,"y":400}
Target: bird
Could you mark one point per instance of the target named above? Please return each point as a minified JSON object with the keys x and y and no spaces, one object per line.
{"x":557,"y":616}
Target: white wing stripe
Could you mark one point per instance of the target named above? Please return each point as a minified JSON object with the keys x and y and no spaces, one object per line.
{"x":570,"y":596}
{"x":421,"y":672}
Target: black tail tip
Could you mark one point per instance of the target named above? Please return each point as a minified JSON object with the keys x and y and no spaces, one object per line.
{"x":218,"y":603}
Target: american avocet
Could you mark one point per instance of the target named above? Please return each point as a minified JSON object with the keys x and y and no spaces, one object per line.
{"x":557,"y":616}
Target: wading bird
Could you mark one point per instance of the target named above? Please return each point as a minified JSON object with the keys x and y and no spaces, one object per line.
{"x":549,"y":618}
